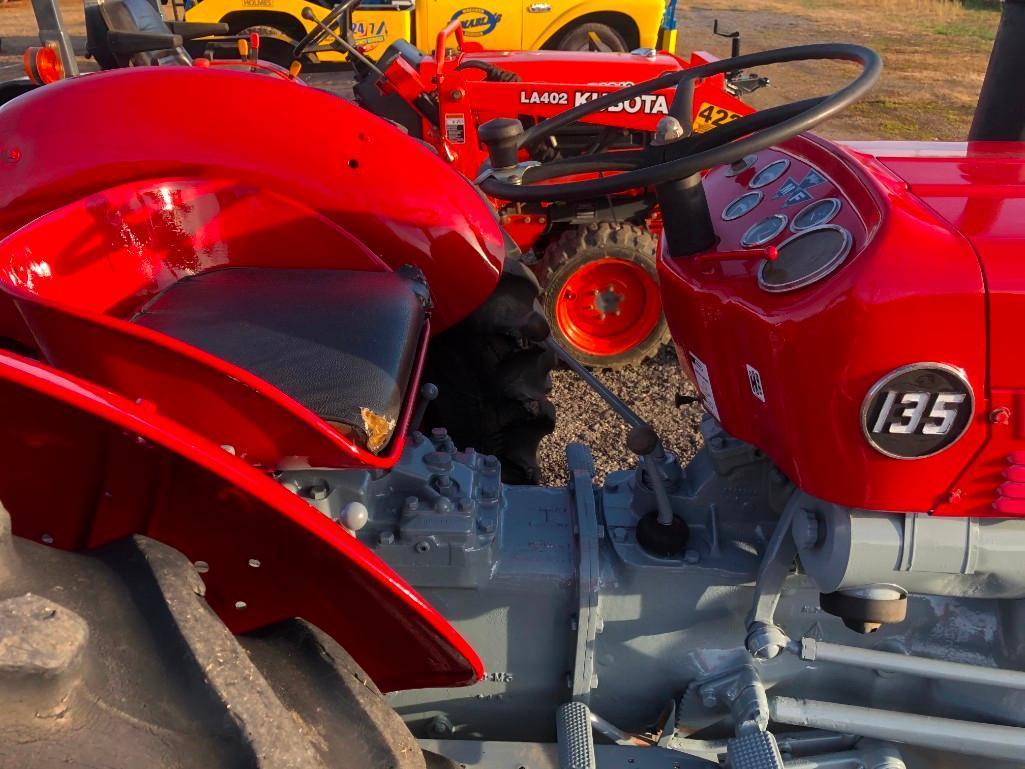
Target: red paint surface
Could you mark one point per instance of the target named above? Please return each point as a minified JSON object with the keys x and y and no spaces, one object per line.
{"x":388,"y":190}
{"x":608,"y":306}
{"x":935,"y":274}
{"x":86,"y":467}
{"x":464,"y":94}
{"x":78,"y":274}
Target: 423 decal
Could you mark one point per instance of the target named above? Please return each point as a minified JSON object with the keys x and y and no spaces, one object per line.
{"x":710,"y":116}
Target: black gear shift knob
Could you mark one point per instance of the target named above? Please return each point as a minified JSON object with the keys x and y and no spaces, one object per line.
{"x":502,"y":138}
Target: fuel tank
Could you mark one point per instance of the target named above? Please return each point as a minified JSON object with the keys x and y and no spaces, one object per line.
{"x":872,"y":361}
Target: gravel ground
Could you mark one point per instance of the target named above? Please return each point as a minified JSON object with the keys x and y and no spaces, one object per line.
{"x":583,"y":417}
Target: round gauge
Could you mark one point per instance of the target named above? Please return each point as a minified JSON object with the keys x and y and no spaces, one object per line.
{"x":770,"y":173}
{"x":805,"y":258}
{"x":816,"y":214}
{"x":742,"y":205}
{"x":762,"y":232}
{"x":738,"y":167}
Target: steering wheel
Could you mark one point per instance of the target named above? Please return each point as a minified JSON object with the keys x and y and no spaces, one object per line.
{"x":322,"y":28}
{"x":669,"y":161}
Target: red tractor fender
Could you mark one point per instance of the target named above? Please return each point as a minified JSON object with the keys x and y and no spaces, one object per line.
{"x":68,"y":140}
{"x":77,"y":274}
{"x":81,"y":467}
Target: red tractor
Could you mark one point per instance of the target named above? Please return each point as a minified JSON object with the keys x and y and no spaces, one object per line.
{"x":595,"y":258}
{"x":225,"y":536}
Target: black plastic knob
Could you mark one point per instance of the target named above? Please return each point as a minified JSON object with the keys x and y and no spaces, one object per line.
{"x":502,"y":138}
{"x":642,"y":440}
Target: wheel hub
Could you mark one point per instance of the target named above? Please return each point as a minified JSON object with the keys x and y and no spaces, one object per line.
{"x":608,"y":306}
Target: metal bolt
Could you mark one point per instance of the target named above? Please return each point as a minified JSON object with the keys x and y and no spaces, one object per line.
{"x":411,"y":505}
{"x":47,"y":539}
{"x":486,"y":525}
{"x":440,"y":459}
{"x":465,"y":505}
{"x":386,"y":538}
{"x":443,"y":505}
{"x":668,"y":130}
{"x":457,"y":94}
{"x":422,"y":546}
{"x":1000,"y":416}
{"x":440,"y":726}
{"x":708,"y":699}
{"x":318,"y":491}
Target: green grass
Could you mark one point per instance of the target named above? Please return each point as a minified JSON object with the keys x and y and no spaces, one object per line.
{"x":984,"y":28}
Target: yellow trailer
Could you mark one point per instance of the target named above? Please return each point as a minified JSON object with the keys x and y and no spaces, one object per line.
{"x":495,"y":24}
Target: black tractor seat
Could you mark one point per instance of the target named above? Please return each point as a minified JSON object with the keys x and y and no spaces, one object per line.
{"x":124,"y":33}
{"x":342,"y":343}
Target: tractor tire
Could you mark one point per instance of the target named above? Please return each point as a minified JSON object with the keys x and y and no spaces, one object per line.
{"x":578,"y":38}
{"x":493,"y":374}
{"x":113,"y":659}
{"x":601,"y":294}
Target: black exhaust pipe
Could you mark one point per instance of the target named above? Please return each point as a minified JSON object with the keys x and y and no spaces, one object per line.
{"x":1000,"y":115}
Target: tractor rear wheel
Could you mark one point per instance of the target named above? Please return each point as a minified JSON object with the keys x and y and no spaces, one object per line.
{"x":601,"y":294}
{"x":584,"y":37}
{"x":493,"y":374}
{"x":112,"y":658}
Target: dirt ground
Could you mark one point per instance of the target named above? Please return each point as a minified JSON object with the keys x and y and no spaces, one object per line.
{"x":935,"y":53}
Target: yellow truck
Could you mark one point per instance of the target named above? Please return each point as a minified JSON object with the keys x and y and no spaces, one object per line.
{"x":496,"y":24}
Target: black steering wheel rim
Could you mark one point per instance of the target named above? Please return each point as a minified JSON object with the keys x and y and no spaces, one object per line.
{"x":683,"y":158}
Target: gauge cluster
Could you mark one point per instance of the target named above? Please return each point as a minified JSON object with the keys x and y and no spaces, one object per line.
{"x":781,"y":200}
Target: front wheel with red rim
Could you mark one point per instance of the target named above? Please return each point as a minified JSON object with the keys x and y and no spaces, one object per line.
{"x":601,"y":294}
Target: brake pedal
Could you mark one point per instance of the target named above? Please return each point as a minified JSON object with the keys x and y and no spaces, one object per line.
{"x":754,"y":750}
{"x":576,"y":740}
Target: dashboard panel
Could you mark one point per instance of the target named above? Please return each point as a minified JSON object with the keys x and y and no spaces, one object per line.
{"x":867,"y":280}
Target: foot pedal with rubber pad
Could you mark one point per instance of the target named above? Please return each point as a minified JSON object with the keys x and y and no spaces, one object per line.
{"x":755,"y":750}
{"x":576,"y":741}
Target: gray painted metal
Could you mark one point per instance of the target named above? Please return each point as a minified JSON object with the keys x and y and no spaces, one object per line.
{"x":588,"y":619}
{"x":503,"y":564}
{"x":847,"y":549}
{"x":944,"y":734}
{"x":474,"y":754}
{"x":812,"y":650}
